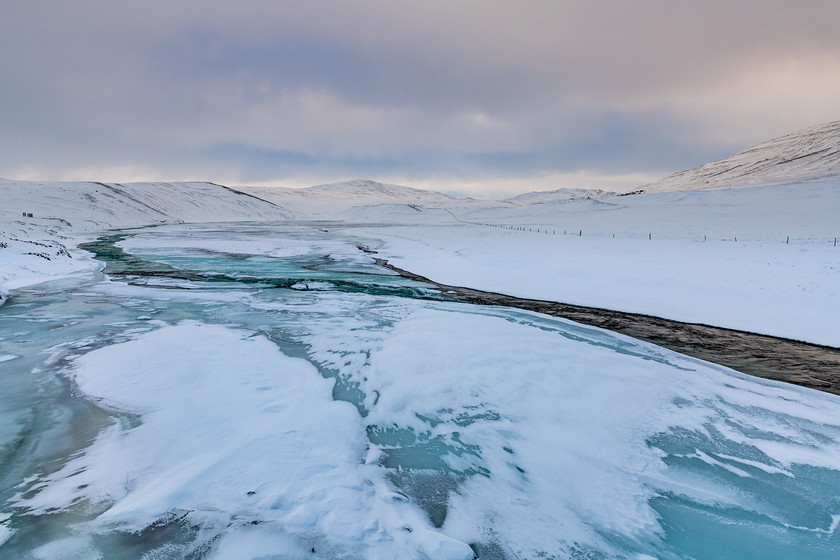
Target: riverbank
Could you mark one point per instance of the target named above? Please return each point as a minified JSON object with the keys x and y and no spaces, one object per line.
{"x":801,"y":363}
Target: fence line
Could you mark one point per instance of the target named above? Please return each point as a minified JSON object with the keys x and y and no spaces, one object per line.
{"x":782,"y":239}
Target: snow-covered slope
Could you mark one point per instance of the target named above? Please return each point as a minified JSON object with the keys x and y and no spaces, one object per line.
{"x":807,"y":155}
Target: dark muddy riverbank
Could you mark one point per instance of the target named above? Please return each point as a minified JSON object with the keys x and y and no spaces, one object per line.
{"x":808,"y":365}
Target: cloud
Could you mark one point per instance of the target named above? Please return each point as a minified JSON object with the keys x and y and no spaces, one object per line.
{"x":463,"y":91}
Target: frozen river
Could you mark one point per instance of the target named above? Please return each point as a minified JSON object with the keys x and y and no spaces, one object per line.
{"x":267,"y":391}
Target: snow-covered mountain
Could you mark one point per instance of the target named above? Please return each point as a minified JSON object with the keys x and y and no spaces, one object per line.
{"x":807,"y":155}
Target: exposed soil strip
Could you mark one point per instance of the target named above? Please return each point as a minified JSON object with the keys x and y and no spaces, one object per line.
{"x":808,"y":365}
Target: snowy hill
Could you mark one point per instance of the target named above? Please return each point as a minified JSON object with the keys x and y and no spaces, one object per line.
{"x":364,"y":200}
{"x":93,"y":205}
{"x":366,"y":189}
{"x":807,"y":155}
{"x":559,"y":195}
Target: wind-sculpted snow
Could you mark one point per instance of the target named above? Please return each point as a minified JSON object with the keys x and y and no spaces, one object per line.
{"x":567,"y":440}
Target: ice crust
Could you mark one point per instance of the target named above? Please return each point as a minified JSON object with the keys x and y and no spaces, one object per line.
{"x":575,"y":430}
{"x":243,"y":440}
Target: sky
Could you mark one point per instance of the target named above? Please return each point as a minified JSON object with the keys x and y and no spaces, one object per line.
{"x":483,"y":98}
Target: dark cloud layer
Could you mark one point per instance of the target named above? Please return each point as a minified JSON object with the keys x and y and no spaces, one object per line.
{"x":435,"y":92}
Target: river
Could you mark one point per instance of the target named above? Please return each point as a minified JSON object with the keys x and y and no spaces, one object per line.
{"x":269,"y":391}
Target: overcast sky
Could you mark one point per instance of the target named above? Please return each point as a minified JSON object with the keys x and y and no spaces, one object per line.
{"x":481,"y":97}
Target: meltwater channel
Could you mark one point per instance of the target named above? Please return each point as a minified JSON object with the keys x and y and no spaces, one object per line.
{"x":268,"y":391}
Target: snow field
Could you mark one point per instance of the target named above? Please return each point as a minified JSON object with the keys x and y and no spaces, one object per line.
{"x":776,"y":290}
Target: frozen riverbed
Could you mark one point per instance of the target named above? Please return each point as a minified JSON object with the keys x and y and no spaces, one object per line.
{"x":267,"y":391}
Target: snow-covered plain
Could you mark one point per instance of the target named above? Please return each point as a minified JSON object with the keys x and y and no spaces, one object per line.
{"x":762,"y":259}
{"x":254,"y":386}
